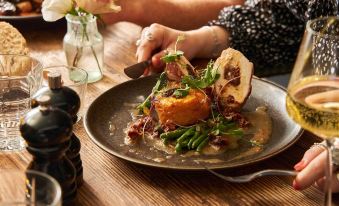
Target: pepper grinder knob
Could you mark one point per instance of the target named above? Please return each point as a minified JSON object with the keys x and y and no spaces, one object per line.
{"x":44,"y":101}
{"x":54,"y":80}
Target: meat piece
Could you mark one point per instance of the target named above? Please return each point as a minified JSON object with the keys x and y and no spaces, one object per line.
{"x":234,"y":85}
{"x":7,"y":8}
{"x":174,"y":71}
{"x":177,"y":69}
{"x":219,"y":141}
{"x":139,"y":127}
{"x":236,"y":117}
{"x":183,"y":111}
{"x":25,"y":6}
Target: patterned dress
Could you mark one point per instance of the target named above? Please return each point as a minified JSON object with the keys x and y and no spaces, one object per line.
{"x":269,"y":32}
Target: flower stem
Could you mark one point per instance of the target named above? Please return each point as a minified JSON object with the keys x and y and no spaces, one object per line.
{"x":80,"y":49}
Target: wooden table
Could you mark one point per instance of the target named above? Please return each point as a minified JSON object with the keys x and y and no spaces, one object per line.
{"x":112,"y":181}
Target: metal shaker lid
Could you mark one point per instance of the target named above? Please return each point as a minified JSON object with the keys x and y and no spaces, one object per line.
{"x":54,"y":80}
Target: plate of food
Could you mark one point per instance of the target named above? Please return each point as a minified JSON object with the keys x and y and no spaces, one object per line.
{"x":187,"y":119}
{"x":20,"y":10}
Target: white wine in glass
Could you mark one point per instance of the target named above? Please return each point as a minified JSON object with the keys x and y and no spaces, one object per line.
{"x":313,"y":90}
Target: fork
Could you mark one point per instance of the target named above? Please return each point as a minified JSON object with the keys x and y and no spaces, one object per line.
{"x":250,"y":177}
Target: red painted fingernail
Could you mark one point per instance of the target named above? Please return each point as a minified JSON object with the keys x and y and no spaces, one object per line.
{"x":295,"y":185}
{"x":299,"y":165}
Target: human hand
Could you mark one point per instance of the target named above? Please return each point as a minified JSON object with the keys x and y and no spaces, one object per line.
{"x":312,"y":170}
{"x":156,"y":39}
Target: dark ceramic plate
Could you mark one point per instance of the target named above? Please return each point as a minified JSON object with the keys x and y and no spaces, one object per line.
{"x":23,"y":21}
{"x":21,"y":18}
{"x":108,"y":116}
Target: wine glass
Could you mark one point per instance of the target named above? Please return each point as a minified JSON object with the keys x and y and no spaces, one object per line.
{"x":313,"y":90}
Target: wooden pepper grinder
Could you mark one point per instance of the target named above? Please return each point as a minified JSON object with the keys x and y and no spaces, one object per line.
{"x":47,"y":132}
{"x":67,"y":100}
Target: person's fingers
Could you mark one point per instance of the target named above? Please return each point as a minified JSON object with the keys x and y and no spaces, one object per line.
{"x":322,"y":182}
{"x":157,"y":63}
{"x":311,"y":173}
{"x":151,"y":39}
{"x":146,"y":71}
{"x":309,"y":155}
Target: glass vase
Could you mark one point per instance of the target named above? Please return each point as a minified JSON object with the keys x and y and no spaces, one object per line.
{"x":84,"y":45}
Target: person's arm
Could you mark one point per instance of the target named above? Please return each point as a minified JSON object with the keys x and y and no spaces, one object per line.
{"x":178,"y":14}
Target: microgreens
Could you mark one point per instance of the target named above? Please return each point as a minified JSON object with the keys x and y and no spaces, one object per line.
{"x":161,"y":83}
{"x":209,"y":77}
{"x":172,"y":57}
{"x":180,"y":93}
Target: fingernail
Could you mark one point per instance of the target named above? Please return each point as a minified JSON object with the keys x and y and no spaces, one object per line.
{"x":299,"y":165}
{"x":295,"y":185}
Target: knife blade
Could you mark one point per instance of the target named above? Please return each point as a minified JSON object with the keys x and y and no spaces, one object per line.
{"x":136,"y":70}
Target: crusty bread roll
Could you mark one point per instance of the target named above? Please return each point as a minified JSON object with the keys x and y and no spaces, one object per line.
{"x":12,"y":42}
{"x":234,"y":85}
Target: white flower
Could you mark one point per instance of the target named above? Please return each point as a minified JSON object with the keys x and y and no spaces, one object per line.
{"x":98,"y":6}
{"x":53,"y":10}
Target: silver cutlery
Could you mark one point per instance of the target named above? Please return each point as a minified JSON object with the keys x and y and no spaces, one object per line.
{"x":136,"y":70}
{"x":250,"y":177}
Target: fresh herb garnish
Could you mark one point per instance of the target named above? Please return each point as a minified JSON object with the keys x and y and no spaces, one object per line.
{"x":161,"y":83}
{"x":146,"y":105}
{"x":172,"y":57}
{"x":256,"y":143}
{"x":180,"y":93}
{"x":210,"y":76}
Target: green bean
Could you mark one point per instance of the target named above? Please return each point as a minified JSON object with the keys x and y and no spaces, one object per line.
{"x":195,"y":136}
{"x":188,"y":133}
{"x":178,"y":148}
{"x":172,"y":135}
{"x":199,"y":140}
{"x":202,"y":144}
{"x":184,"y":143}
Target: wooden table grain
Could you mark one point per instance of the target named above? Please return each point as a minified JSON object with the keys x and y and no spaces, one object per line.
{"x":112,"y":181}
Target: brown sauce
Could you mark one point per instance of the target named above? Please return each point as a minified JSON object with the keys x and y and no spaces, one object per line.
{"x":259,"y":132}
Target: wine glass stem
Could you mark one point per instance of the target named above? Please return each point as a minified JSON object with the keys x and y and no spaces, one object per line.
{"x":329,"y":169}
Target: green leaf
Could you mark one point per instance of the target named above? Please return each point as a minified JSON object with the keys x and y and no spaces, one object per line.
{"x":176,"y":54}
{"x":180,"y":93}
{"x":172,"y":57}
{"x":161,"y":83}
{"x":210,"y":76}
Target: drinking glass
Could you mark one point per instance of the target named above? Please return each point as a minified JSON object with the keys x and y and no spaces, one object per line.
{"x":313,"y":90}
{"x":72,"y":77}
{"x":19,"y":79}
{"x":28,"y":188}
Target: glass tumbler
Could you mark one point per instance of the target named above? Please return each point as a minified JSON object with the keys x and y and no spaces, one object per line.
{"x":29,"y":188}
{"x":72,"y":77}
{"x":20,"y":77}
